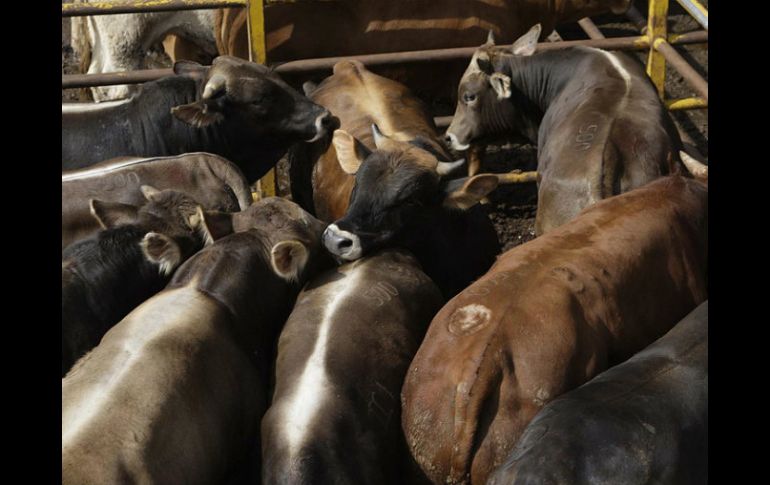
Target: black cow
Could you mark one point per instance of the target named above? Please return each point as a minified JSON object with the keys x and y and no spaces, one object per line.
{"x":105,"y":276}
{"x":237,"y":109}
{"x":600,"y":127}
{"x":643,"y":421}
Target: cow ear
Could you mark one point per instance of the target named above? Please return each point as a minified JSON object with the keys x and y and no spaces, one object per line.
{"x":501,"y":84}
{"x":527,"y":43}
{"x":212,"y":225}
{"x":308,"y":87}
{"x":289,"y":259}
{"x":472,"y":191}
{"x":198,"y":114}
{"x":112,"y":214}
{"x":161,"y":250}
{"x":150,"y":193}
{"x":351,"y":153}
{"x":190,"y":69}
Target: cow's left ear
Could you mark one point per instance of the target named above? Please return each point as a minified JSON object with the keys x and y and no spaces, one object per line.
{"x":471,"y":192}
{"x":198,"y":114}
{"x":501,"y":84}
{"x":351,"y":153}
{"x":191,"y":69}
{"x":212,"y":225}
{"x":161,"y":250}
{"x":527,"y":43}
{"x":112,"y":214}
{"x":288,"y":259}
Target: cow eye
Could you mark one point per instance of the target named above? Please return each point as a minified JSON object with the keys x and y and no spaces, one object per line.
{"x":469,"y":97}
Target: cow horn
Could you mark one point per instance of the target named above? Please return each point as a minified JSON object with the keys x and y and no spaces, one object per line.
{"x":379,"y":138}
{"x":696,"y":168}
{"x":491,"y":37}
{"x":214,"y":87}
{"x":445,"y":168}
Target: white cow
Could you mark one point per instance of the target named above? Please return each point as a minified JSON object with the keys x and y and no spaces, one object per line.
{"x":111,"y":43}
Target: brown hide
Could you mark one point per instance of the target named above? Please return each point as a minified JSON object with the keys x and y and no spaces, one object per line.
{"x":360,"y":98}
{"x":550,"y":315}
{"x":210,"y":179}
{"x":175,"y":391}
{"x":351,"y":27}
{"x":355,"y":330}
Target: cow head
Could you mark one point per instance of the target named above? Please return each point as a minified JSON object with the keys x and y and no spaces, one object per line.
{"x":484,"y":104}
{"x":293,"y":235}
{"x":173,"y":221}
{"x":396,"y":188}
{"x":253,"y":95}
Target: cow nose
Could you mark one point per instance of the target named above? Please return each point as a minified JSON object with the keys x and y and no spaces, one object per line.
{"x":448,"y":139}
{"x":344,"y":244}
{"x":324,"y":123}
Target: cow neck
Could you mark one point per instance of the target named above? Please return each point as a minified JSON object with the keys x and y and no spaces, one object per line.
{"x":117,"y":275}
{"x":236,"y":272}
{"x":536,"y":81}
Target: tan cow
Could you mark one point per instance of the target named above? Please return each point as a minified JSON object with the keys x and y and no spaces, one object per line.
{"x":550,"y":315}
{"x":174,"y":392}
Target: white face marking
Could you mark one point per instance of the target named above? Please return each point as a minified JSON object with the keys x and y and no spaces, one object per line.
{"x":350,"y":253}
{"x":74,"y":108}
{"x":456,"y":144}
{"x":320,"y":130}
{"x":469,"y":319}
{"x":313,"y":385}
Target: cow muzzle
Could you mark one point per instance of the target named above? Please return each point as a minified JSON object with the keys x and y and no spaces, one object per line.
{"x":343,"y":244}
{"x":324,"y":123}
{"x":451,"y":140}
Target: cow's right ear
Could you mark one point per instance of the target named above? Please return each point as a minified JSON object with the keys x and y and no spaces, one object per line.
{"x":289,"y":259}
{"x":191,"y":69}
{"x":112,"y":214}
{"x":212,"y":225}
{"x":527,"y":43}
{"x":198,"y":114}
{"x":351,"y":153}
{"x":472,"y":191}
{"x":163,"y":251}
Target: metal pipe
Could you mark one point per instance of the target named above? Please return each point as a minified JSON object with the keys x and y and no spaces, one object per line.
{"x":683,"y":67}
{"x":142,"y":6}
{"x":698,"y":11}
{"x":686,"y":103}
{"x":135,"y":77}
{"x":516,"y":177}
{"x":590,"y":28}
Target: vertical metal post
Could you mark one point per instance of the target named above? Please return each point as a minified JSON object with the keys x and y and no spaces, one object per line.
{"x":258,"y":54}
{"x":656,"y":29}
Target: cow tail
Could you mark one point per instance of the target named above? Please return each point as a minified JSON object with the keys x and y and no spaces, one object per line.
{"x":472,"y":415}
{"x":234,"y":178}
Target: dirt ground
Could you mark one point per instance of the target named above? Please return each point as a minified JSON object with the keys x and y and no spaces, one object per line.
{"x":512,"y":208}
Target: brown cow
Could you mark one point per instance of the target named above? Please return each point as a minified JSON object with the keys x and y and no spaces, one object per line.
{"x":399,"y":195}
{"x":342,"y":358}
{"x":599,"y":124}
{"x":108,"y":274}
{"x":550,"y":315}
{"x":216,"y":183}
{"x":175,"y":391}
{"x":353,"y":27}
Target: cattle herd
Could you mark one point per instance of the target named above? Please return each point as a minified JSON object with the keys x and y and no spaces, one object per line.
{"x":367,"y":329}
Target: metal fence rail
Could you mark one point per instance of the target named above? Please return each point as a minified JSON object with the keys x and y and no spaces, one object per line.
{"x":654,"y":38}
